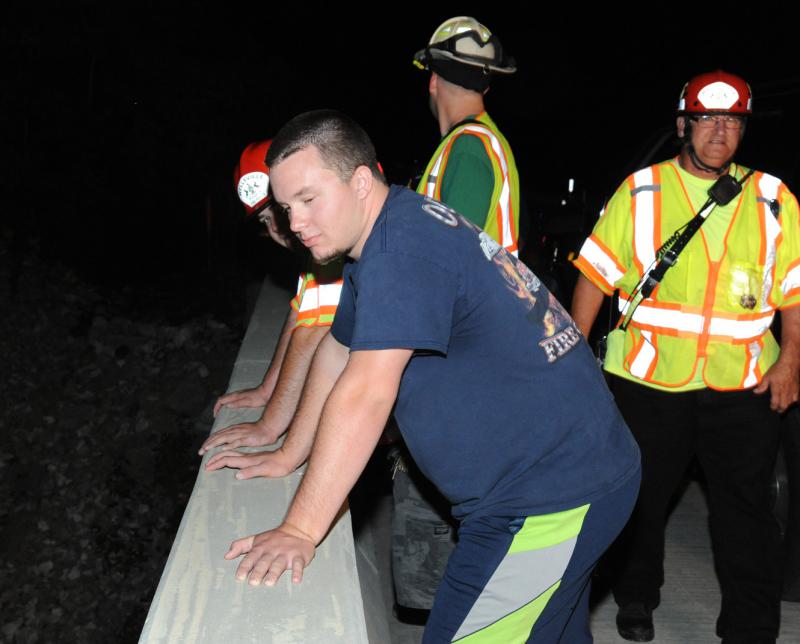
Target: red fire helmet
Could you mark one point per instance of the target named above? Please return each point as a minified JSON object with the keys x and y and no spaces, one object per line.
{"x":252,"y":177}
{"x":716,"y":92}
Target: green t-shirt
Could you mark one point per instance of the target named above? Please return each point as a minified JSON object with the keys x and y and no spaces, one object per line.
{"x":468,"y":180}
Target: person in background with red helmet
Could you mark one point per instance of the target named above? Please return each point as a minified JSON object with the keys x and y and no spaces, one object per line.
{"x":695,"y":369}
{"x":308,"y":321}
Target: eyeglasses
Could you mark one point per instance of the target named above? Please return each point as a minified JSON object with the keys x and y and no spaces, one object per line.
{"x":727,"y":121}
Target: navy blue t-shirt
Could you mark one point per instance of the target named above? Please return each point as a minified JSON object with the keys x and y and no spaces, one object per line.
{"x":502,"y":405}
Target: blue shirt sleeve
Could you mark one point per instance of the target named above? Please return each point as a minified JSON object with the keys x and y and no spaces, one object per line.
{"x":403,"y":302}
{"x":343,"y":321}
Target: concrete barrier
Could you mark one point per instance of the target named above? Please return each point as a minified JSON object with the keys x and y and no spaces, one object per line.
{"x":198,"y":598}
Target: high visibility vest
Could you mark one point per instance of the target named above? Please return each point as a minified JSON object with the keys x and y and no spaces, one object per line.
{"x":502,"y":218}
{"x":721,"y":310}
{"x":318,"y":295}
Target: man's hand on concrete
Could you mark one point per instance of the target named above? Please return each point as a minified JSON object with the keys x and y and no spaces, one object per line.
{"x":268,"y":464}
{"x":783,"y":382}
{"x":255,"y":434}
{"x":269,"y":554}
{"x":255,"y":397}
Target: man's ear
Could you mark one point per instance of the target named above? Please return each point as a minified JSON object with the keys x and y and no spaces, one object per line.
{"x":433,"y":83}
{"x":362,"y":181}
{"x":680,"y":124}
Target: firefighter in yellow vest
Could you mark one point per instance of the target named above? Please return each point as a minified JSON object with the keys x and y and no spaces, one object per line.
{"x":472,"y":171}
{"x":309,"y":319}
{"x":696,"y":369}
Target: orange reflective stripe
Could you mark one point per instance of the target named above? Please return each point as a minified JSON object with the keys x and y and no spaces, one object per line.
{"x":791,"y":283}
{"x":600,"y":262}
{"x":669,"y":318}
{"x":708,"y":304}
{"x":298,"y":298}
{"x":441,"y":162}
{"x":666,"y":319}
{"x":767,"y":189}
{"x":502,"y":227}
{"x":310,"y":299}
{"x":504,"y":208}
{"x":607,"y":251}
{"x":594,"y":276}
{"x":319,"y":302}
{"x":503,"y":213}
{"x":741,"y":330}
{"x":770,"y":271}
{"x":762,"y":224}
{"x":654,"y":304}
{"x":654,"y":361}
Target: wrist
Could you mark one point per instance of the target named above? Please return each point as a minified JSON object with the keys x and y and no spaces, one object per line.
{"x":266,"y":431}
{"x":307,"y":533}
{"x":789,"y":358}
{"x":291,"y":458}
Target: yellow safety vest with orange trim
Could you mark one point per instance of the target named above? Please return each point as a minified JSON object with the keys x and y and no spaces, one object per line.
{"x":502,"y":219}
{"x":714,"y":313}
{"x":318,"y":292}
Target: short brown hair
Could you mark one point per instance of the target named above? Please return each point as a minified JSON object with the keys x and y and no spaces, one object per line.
{"x":342,"y":143}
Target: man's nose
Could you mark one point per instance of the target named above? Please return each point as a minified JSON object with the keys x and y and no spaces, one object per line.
{"x":296,"y":223}
{"x":719,"y":123}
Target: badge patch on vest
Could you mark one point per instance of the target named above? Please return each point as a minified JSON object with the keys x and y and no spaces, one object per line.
{"x":748,"y":301}
{"x":744,"y":285}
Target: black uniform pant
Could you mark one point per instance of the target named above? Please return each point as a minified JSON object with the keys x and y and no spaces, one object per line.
{"x":734,"y":436}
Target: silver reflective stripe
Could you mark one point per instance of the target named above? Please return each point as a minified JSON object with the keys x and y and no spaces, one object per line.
{"x":754,"y":350}
{"x":519,"y":579}
{"x":504,"y":202}
{"x":651,"y":188}
{"x":644,"y":359}
{"x":643,"y":218}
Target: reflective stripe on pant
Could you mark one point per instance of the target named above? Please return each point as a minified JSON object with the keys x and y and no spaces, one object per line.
{"x":527,"y":580}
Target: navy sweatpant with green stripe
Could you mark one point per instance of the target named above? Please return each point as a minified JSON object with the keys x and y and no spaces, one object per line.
{"x":527,"y":579}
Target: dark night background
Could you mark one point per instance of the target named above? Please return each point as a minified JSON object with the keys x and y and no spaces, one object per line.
{"x":122,"y":242}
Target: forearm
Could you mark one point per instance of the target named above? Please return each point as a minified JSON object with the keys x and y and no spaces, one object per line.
{"x":783,"y":378}
{"x":326,"y":367}
{"x":269,"y":382}
{"x":352,"y":422}
{"x":296,"y":364}
{"x":586,"y":302}
{"x":790,"y":337}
